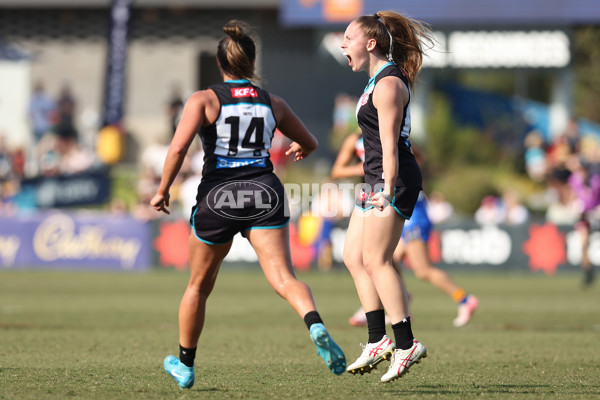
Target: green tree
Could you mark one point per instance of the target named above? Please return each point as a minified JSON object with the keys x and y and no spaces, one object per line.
{"x":465,"y":163}
{"x":586,"y":59}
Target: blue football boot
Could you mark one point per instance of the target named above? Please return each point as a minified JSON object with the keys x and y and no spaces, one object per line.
{"x":183,"y":375}
{"x":328,"y":349}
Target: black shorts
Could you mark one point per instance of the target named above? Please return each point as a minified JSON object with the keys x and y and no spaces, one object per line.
{"x":224,"y":209}
{"x":404,"y":199}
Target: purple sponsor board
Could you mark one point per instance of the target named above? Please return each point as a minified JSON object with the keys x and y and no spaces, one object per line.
{"x":85,"y":241}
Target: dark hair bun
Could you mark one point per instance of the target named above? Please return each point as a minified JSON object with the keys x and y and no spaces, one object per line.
{"x":234,"y":29}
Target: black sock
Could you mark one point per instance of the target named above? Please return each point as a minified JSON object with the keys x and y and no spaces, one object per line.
{"x":187,"y":356}
{"x":403,"y":334}
{"x":376,"y":325}
{"x":312,"y":317}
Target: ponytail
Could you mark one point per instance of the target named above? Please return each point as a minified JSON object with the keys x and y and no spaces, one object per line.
{"x":237,"y":52}
{"x":398,"y":37}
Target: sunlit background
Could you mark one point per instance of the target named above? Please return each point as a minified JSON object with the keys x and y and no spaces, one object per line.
{"x":90,"y":92}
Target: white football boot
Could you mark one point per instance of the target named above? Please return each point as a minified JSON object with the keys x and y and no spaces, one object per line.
{"x":373,"y":354}
{"x":403,"y":359}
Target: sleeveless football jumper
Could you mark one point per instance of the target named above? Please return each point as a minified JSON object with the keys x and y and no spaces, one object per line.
{"x":409,"y":180}
{"x":239,"y":190}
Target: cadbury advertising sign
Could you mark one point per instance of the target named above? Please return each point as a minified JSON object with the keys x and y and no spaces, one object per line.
{"x":75,"y":241}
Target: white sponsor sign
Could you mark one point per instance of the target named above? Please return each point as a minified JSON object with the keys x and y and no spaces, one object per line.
{"x":499,"y":49}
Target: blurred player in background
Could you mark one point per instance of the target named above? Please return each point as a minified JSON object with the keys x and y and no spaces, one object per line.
{"x":584,"y":181}
{"x":236,"y":121}
{"x":413,"y":245}
{"x":387,"y":46}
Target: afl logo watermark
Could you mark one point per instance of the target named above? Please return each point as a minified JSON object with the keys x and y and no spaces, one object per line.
{"x":242,"y":200}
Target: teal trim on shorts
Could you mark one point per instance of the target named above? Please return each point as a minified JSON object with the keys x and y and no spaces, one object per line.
{"x":394,"y":207}
{"x":209,"y":242}
{"x":401,"y":214}
{"x":267,"y":227}
{"x":398,"y":211}
{"x":363,"y":209}
{"x":392,"y":202}
{"x":199,"y":238}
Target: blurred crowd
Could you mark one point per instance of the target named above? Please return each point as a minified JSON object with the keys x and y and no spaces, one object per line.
{"x":55,"y":148}
{"x":570,"y":166}
{"x":183,"y":190}
{"x":567,"y":167}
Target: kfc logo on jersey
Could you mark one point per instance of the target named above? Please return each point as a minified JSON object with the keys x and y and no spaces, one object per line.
{"x":243,"y":92}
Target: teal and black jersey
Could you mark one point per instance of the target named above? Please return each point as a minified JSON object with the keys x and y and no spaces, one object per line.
{"x":409,"y":173}
{"x":237,"y":144}
{"x":239,"y":190}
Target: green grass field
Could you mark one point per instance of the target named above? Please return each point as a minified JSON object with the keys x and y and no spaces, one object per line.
{"x":84,"y":335}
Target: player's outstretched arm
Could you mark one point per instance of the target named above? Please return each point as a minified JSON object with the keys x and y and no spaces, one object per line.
{"x":292,"y":127}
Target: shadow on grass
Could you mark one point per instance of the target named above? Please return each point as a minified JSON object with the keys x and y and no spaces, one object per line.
{"x":494,"y":388}
{"x":208,"y":390}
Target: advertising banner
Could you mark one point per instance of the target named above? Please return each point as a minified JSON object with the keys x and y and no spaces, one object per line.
{"x":75,"y":241}
{"x":114,"y":92}
{"x":542,"y":247}
{"x":87,"y":188}
{"x":537,"y":247}
{"x":119,"y":242}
